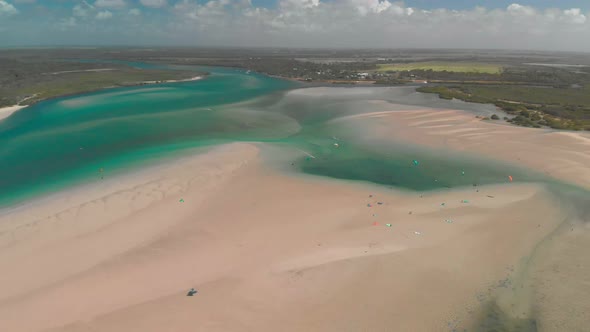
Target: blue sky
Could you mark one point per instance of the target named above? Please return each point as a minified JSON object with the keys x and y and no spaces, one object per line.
{"x":509,"y":24}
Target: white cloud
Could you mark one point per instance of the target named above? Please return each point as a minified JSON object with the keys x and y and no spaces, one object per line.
{"x":377,"y":23}
{"x":7,"y":9}
{"x":306,"y":4}
{"x":104,"y":15}
{"x":88,"y":4}
{"x":113,"y":4}
{"x":317,"y":23}
{"x":207,"y":13}
{"x":154,"y":3}
{"x":67,"y":23}
{"x":517,"y":9}
{"x":134,"y":12}
{"x":574,"y":15}
{"x":371,"y":6}
{"x":80,"y":11}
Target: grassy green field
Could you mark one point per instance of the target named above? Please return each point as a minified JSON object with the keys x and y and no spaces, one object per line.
{"x":458,"y":67}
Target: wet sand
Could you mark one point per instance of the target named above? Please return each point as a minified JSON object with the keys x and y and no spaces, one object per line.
{"x":266,"y":251}
{"x":559,"y":154}
{"x":551,"y":286}
{"x":7,"y":111}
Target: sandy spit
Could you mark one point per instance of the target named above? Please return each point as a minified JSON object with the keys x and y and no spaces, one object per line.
{"x":196,"y":78}
{"x":7,"y":111}
{"x":562,"y":155}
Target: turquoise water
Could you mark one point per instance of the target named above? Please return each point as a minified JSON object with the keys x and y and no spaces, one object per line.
{"x":66,"y":141}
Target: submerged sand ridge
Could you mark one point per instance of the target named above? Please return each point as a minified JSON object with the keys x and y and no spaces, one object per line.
{"x":553,"y":277}
{"x":266,"y":252}
{"x":562,"y":155}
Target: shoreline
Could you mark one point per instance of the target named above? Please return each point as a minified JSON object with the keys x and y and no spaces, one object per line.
{"x":418,"y":85}
{"x":170,"y":228}
{"x":269,"y":250}
{"x":9,"y":110}
{"x":120,"y":177}
{"x":196,"y":78}
{"x":563,"y":155}
{"x":122,"y":85}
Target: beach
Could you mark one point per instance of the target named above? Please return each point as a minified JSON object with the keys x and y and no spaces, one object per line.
{"x":269,"y":248}
{"x":196,"y":78}
{"x":564,"y":155}
{"x":8,"y":110}
{"x":265,"y":251}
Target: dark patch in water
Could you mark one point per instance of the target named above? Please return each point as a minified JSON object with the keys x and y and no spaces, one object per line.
{"x":495,"y":319}
{"x":397,"y":169}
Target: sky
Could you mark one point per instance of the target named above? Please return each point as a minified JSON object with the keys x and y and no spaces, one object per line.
{"x":562,"y":25}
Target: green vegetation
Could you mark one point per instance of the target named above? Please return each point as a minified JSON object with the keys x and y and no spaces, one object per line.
{"x":535,"y":95}
{"x":438,"y":66}
{"x":89,"y":81}
{"x":289,"y":68}
{"x":28,"y":81}
{"x":560,"y":108}
{"x":495,"y":117}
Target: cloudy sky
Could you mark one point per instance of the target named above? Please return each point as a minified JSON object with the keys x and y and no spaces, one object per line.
{"x":526,"y":24}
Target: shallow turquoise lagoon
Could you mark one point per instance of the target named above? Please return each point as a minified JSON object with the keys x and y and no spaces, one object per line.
{"x":67,"y":141}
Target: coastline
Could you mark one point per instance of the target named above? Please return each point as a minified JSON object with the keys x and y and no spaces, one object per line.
{"x":171,"y":228}
{"x":9,"y":110}
{"x":196,"y":78}
{"x":562,"y":155}
{"x":329,"y":255}
{"x":425,"y":85}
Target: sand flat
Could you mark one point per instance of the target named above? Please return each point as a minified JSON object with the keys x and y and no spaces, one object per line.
{"x":8,"y":110}
{"x":563,"y":155}
{"x":275,"y":251}
{"x":266,"y":251}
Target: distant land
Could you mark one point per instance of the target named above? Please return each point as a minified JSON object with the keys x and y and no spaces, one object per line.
{"x":536,"y":89}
